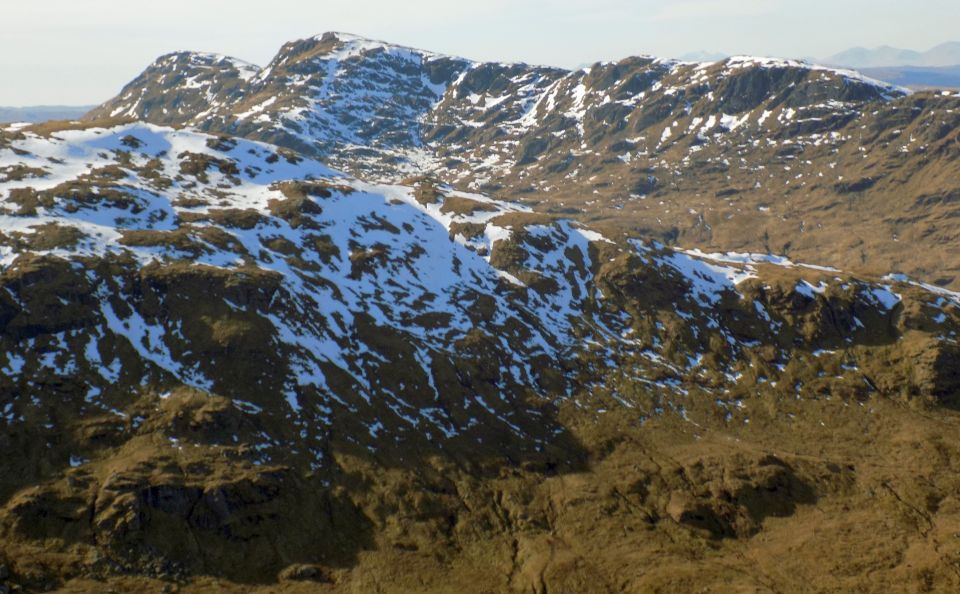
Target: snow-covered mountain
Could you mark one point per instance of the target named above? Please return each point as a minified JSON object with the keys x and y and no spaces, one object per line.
{"x":375,"y":319}
{"x":719,"y":148}
{"x":149,"y":272}
{"x":387,"y":111}
{"x":300,"y":264}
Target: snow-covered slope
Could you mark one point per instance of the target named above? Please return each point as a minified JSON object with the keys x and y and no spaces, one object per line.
{"x":222,"y":359}
{"x":597,"y":142}
{"x":321,"y":260}
{"x":387,"y":111}
{"x":334,"y":253}
{"x":360,"y":300}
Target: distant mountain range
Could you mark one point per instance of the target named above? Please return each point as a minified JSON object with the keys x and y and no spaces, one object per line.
{"x":42,"y":113}
{"x":945,"y":54}
{"x":704,"y":56}
{"x":936,"y":68}
{"x":917,"y":77}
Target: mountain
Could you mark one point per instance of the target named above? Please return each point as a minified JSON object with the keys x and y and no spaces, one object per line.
{"x":42,"y":113}
{"x":207,"y":338}
{"x":325,"y":96}
{"x":704,"y":56}
{"x":861,"y":57}
{"x":917,"y":77}
{"x":376,"y":319}
{"x":945,"y":54}
{"x":670,"y":150}
{"x":937,"y":68}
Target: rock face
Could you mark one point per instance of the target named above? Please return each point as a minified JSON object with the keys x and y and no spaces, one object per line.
{"x":227,"y":365}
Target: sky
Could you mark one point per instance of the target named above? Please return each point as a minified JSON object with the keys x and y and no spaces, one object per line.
{"x":81,"y":52}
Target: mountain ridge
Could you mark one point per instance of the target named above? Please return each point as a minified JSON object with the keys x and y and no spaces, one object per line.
{"x":471,"y":124}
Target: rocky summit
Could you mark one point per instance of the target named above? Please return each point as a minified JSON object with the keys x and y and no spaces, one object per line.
{"x":373,"y":319}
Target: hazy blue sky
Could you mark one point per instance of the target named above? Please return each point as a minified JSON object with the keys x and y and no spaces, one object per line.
{"x":83,"y":51}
